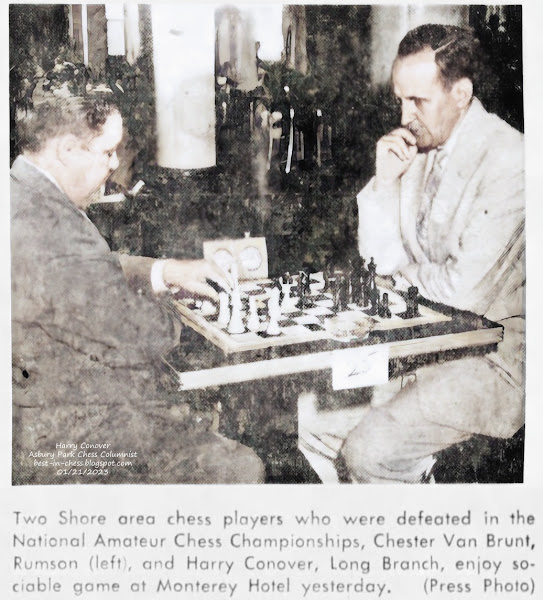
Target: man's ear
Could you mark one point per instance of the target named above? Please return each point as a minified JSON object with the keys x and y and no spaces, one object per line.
{"x":66,"y":147}
{"x":462,"y":91}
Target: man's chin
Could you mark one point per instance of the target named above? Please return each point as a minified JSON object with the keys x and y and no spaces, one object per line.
{"x":424,"y":144}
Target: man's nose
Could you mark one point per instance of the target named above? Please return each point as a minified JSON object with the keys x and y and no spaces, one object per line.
{"x":409,"y":112}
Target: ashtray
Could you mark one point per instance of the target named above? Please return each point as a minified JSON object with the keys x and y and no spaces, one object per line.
{"x":348,"y":326}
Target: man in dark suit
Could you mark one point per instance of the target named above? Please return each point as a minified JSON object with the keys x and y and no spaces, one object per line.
{"x":89,"y":329}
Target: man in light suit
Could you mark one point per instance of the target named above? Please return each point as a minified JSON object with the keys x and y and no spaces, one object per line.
{"x":445,"y":213}
{"x":89,"y":328}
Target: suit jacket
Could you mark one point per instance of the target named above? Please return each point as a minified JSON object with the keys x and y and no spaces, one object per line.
{"x":474,"y":260}
{"x":85,"y":345}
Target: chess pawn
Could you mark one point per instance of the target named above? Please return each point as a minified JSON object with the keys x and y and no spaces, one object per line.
{"x":285,"y":294}
{"x":274,"y":311}
{"x":224,"y":310}
{"x":384,"y":310}
{"x":253,"y":322}
{"x":287,"y":278}
{"x":236,"y":321}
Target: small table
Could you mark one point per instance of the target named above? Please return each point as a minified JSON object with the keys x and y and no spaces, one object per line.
{"x":258,"y":389}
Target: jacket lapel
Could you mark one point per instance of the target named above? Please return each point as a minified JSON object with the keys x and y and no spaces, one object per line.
{"x":464,"y":160}
{"x":412,"y":189}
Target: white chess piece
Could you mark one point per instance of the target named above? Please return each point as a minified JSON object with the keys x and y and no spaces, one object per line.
{"x":224,"y":310}
{"x":286,"y":304}
{"x":253,"y":323}
{"x":274,"y":311}
{"x":236,"y":321}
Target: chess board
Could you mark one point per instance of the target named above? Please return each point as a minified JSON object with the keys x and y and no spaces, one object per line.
{"x":297,"y":325}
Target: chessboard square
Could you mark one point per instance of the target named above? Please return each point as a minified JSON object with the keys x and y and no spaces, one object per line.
{"x":314,"y":326}
{"x":328,"y":303}
{"x":296,"y":313}
{"x":255,"y":292}
{"x":264,"y":334}
{"x":290,"y":310}
{"x":294,"y":331}
{"x":319,"y":310}
{"x":286,"y":323}
{"x":307,"y":320}
{"x":319,"y":297}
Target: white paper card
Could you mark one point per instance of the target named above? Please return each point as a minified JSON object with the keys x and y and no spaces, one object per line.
{"x":359,"y":367}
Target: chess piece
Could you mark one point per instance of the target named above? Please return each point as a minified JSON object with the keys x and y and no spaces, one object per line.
{"x":374,"y":302}
{"x":286,"y":283}
{"x":333,"y":284}
{"x":236,"y":321}
{"x":383,"y":309}
{"x":303,"y":288}
{"x":373,"y":291}
{"x":372,"y":268}
{"x":253,"y":322}
{"x":274,"y":312}
{"x":326,"y":276}
{"x":365,"y":278}
{"x":224,"y":310}
{"x":412,"y":302}
{"x":356,"y":280}
{"x":343,"y":292}
{"x":306,"y":283}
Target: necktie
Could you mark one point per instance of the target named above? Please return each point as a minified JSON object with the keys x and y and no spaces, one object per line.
{"x":430,"y":191}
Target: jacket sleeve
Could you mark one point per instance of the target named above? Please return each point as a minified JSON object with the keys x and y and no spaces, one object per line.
{"x":379,"y":232}
{"x":137,"y":271}
{"x":91,"y":306}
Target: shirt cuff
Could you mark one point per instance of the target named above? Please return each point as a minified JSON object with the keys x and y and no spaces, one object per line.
{"x":157,"y":277}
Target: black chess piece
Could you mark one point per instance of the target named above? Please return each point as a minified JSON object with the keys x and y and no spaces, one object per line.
{"x":373,"y":291}
{"x":372,"y":268}
{"x":303,"y":289}
{"x":333,"y":290}
{"x":325,"y":276}
{"x":374,"y":301}
{"x":412,"y":302}
{"x":365,"y":278}
{"x":343,"y":292}
{"x":384,"y":310}
{"x":357,"y":264}
{"x":276,"y":283}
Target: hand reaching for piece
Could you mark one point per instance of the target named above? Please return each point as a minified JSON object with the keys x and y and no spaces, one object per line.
{"x":196,"y":277}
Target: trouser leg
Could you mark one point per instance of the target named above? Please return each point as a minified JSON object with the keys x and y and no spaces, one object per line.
{"x":395,"y":442}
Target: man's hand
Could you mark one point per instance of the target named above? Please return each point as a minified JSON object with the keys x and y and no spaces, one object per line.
{"x":194,"y":276}
{"x":395,"y":153}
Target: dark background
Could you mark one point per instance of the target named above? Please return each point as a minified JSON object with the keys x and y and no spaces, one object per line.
{"x":308,"y":216}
